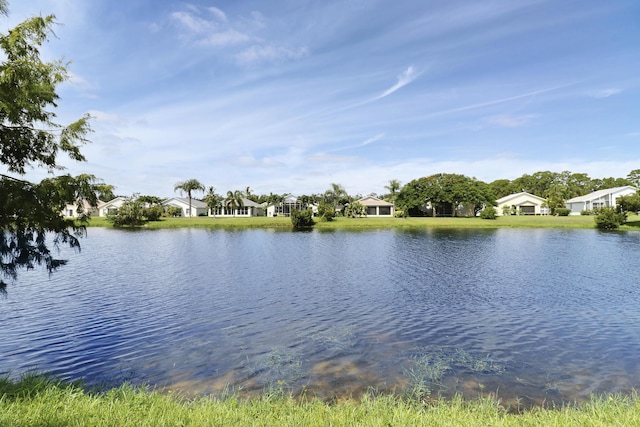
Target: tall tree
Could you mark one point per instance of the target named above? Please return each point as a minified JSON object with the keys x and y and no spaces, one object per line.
{"x":336,"y":194}
{"x":234,"y":200}
{"x":213,"y":200}
{"x":393,"y":187}
{"x":634,"y":177}
{"x":188,"y":187}
{"x":31,"y":138}
{"x":445,"y":189}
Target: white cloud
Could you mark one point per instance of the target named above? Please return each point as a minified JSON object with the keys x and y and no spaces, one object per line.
{"x":218,"y":13}
{"x":509,"y":121}
{"x":373,"y":139}
{"x":211,"y":29}
{"x":252,"y":162}
{"x":225,"y":38}
{"x":605,"y":93}
{"x":257,"y":54}
{"x":406,"y":77}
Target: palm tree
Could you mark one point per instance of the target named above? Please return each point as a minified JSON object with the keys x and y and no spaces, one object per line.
{"x":187,"y":187}
{"x":334,"y":194}
{"x":393,"y":187}
{"x":212,"y":199}
{"x":234,"y":200}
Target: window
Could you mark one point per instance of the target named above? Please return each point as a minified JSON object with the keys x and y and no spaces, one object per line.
{"x":371,"y":210}
{"x":384,"y":210}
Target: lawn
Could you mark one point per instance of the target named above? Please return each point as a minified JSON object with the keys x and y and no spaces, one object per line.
{"x":578,"y":221}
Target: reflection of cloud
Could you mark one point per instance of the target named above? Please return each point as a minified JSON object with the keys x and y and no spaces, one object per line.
{"x":511,"y":121}
{"x":605,"y":93}
{"x":256,"y":54}
{"x":409,"y":75}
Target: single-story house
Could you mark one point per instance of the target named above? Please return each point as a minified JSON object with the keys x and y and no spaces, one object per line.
{"x":377,"y":207}
{"x":199,"y":208}
{"x":248,"y":208}
{"x":290,"y":203}
{"x":71,"y":210}
{"x":110,"y":207}
{"x":599,"y":199}
{"x":521,"y":204}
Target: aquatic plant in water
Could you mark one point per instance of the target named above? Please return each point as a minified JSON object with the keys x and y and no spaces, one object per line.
{"x":428,"y":365}
{"x":280,"y":369}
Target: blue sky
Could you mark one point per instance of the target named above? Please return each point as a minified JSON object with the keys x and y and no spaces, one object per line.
{"x":290,"y":96}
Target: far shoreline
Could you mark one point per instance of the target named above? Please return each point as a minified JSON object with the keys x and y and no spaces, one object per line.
{"x":341,"y":223}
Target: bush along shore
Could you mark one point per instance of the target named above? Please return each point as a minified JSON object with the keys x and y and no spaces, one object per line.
{"x":38,"y":400}
{"x":281,"y":222}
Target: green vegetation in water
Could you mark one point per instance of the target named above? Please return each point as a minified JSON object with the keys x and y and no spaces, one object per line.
{"x":427,"y":367}
{"x":39,"y":400}
{"x":284,"y":223}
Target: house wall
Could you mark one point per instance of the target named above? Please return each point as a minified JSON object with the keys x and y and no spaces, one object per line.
{"x":522,"y":200}
{"x":110,"y":208}
{"x":606,"y":200}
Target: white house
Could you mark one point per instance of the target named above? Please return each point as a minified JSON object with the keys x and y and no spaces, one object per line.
{"x":249,"y":208}
{"x":198,"y":208}
{"x":110,"y":207}
{"x":290,"y":203}
{"x":522,"y":203}
{"x":599,"y":199}
{"x":71,"y":210}
{"x":377,"y":207}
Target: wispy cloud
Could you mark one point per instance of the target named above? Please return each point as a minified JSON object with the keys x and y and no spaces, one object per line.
{"x":406,"y":77}
{"x":209,"y":26}
{"x":497,"y":101}
{"x":605,"y":93}
{"x":373,"y":139}
{"x":510,"y":121}
{"x":257,"y":54}
{"x":252,"y":162}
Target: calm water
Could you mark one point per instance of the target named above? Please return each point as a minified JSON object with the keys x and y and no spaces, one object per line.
{"x":538,"y":315}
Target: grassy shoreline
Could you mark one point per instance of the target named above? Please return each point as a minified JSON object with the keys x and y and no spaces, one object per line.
{"x":37,"y":400}
{"x":284,"y":223}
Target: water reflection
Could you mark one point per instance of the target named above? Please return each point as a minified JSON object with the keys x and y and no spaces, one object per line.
{"x":535,"y":315}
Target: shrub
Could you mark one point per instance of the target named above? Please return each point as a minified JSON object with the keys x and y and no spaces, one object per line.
{"x":173,"y":211}
{"x":130,"y":214}
{"x":610,"y":218}
{"x":355,"y":210}
{"x":326,"y":212}
{"x":563,"y":211}
{"x":400,"y":213}
{"x":302,"y":219}
{"x":153,"y":213}
{"x":585,"y":212}
{"x":488,"y":213}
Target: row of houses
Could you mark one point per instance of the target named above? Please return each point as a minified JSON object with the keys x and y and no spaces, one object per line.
{"x":529,"y":204}
{"x":519,"y":203}
{"x":374,"y":206}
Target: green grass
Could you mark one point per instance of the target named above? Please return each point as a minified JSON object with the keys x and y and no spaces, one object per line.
{"x":40,"y":401}
{"x":284,"y":223}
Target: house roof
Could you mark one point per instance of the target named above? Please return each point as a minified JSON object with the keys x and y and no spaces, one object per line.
{"x":373,"y":201}
{"x":251,"y":204}
{"x":185,"y":201}
{"x":505,"y":199}
{"x":111,"y":202}
{"x":601,"y":193}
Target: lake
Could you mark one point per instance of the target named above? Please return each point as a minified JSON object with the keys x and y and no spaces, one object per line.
{"x":534,"y":315}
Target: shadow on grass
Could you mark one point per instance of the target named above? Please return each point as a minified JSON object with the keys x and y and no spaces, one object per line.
{"x":634,"y":224}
